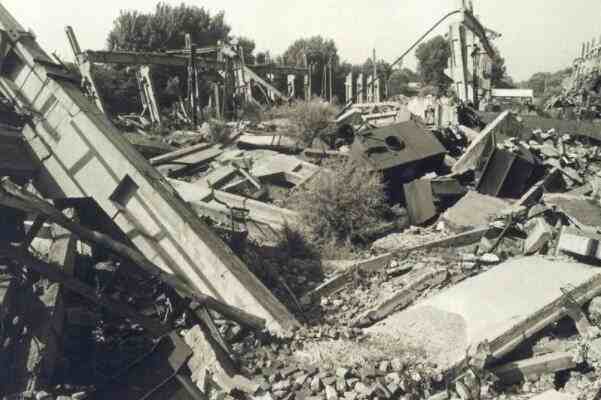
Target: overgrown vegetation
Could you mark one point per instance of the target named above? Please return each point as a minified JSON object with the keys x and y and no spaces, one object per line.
{"x":311,"y":117}
{"x":546,"y":84}
{"x":219,"y":131}
{"x":340,"y":205}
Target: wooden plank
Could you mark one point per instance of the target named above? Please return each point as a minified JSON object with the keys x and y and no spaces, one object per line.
{"x":420,"y":204}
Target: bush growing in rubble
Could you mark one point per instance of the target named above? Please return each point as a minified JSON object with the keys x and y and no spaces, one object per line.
{"x":219,"y":132}
{"x":311,"y":117}
{"x":341,"y":204}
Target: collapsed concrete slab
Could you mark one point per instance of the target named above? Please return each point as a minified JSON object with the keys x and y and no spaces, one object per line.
{"x":473,"y":210}
{"x":503,"y":306}
{"x":200,"y":195}
{"x":288,"y":168}
{"x":82,"y":155}
{"x":583,"y":211}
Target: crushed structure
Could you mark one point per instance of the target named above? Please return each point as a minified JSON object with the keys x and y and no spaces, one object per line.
{"x":188,"y":266}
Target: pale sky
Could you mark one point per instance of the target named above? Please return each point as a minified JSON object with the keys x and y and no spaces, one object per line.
{"x":538,"y":35}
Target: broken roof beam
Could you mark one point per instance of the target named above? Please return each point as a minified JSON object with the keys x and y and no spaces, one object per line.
{"x":54,"y":274}
{"x":83,"y":155}
{"x":276,"y":68}
{"x":522,"y":370}
{"x":49,"y":332}
{"x":15,"y":197}
{"x":140,"y":58}
{"x":479,"y":30}
{"x":250,"y":74}
{"x":476,"y":149}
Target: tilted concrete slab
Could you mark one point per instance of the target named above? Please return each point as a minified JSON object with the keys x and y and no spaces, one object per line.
{"x":199,"y":194}
{"x":83,"y":155}
{"x":473,"y":210}
{"x":292,"y":169}
{"x":503,"y":306}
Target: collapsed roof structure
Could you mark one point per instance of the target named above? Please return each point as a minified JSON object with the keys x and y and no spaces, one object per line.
{"x":465,"y":289}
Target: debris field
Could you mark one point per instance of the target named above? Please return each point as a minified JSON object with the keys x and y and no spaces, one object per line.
{"x":403,"y":248}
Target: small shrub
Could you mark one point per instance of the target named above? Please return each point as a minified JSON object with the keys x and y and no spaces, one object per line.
{"x":311,"y":117}
{"x":293,"y":244}
{"x":283,"y":110}
{"x":219,"y":132}
{"x":252,"y":112}
{"x":342,"y":202}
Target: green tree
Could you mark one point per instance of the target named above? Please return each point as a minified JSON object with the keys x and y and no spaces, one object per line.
{"x":498,"y":74}
{"x":432,"y":57}
{"x":163,"y":29}
{"x":546,"y":85}
{"x":166,"y":28}
{"x":399,"y":80}
{"x":319,"y":53}
{"x":248,"y":46}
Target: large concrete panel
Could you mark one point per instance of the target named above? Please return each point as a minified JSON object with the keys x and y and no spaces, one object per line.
{"x":502,"y":306}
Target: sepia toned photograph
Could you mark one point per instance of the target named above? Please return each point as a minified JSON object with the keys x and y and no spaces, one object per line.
{"x":300,"y":200}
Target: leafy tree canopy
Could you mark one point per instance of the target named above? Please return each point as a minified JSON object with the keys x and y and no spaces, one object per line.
{"x":432,"y":57}
{"x":317,"y":49}
{"x":166,"y":27}
{"x":163,"y":29}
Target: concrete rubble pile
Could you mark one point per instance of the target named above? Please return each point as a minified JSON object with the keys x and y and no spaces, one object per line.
{"x":132,"y":267}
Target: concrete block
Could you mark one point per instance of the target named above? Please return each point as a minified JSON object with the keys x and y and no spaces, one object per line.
{"x":580,"y":243}
{"x":539,"y":233}
{"x":420,"y":204}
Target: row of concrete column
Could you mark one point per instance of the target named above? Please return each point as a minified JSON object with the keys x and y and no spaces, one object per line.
{"x":364,"y":89}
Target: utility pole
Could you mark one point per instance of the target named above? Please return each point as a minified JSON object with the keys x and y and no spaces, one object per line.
{"x":373,"y":81}
{"x":192,"y":79}
{"x":331,"y":78}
